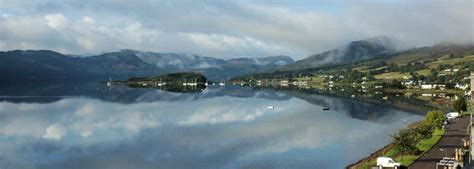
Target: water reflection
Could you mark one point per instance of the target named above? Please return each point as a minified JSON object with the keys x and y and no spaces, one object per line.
{"x":227,"y":127}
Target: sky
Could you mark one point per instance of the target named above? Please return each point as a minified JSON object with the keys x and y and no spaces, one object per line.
{"x":228,"y":29}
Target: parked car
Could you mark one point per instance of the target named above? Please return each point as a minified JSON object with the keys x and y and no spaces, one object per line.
{"x":387,"y":162}
{"x":452,"y":115}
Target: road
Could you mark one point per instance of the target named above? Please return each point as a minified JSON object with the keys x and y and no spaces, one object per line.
{"x":451,"y":139}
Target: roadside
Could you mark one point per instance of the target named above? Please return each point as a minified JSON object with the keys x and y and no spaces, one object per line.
{"x":410,"y":143}
{"x":386,"y":151}
{"x":456,"y":131}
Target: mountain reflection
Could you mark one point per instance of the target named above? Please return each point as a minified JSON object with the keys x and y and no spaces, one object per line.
{"x":32,"y":93}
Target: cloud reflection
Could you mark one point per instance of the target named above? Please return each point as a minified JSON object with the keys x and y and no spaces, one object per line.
{"x":216,"y":132}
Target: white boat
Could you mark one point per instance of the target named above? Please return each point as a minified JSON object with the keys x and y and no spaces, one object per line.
{"x":270,"y":107}
{"x":160,"y":83}
{"x":109,"y":83}
{"x":221,"y":84}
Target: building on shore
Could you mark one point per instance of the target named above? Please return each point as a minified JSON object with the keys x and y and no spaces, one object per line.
{"x":472,"y":112}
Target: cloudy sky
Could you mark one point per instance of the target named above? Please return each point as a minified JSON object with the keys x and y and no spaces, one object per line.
{"x":227,"y":29}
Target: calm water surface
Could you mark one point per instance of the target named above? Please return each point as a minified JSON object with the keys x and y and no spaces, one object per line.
{"x":93,"y":126}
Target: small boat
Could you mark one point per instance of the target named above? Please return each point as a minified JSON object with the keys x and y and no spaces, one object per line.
{"x":109,"y":83}
{"x":270,"y":107}
{"x":185,"y":84}
{"x":222,"y":83}
{"x":326,"y":109}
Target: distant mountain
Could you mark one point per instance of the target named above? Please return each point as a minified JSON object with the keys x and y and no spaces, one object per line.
{"x":30,"y":64}
{"x":177,"y":61}
{"x":352,"y":52}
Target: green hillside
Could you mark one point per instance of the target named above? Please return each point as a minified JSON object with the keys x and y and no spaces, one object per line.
{"x":425,"y":62}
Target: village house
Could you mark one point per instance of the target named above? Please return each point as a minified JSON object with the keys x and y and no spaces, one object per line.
{"x":407,"y":83}
{"x":433,"y":86}
{"x":426,"y":86}
{"x":461,"y":86}
{"x":439,"y":86}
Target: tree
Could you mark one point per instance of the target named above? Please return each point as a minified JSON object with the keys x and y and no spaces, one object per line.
{"x":425,"y":130}
{"x":396,"y":84}
{"x":405,"y":141}
{"x":435,"y":118}
{"x":460,"y":104}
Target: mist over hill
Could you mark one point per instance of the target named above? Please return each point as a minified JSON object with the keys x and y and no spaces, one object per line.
{"x":354,"y":51}
{"x":46,"y":64}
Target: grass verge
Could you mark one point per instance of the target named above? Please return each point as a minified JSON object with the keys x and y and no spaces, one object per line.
{"x":424,"y":145}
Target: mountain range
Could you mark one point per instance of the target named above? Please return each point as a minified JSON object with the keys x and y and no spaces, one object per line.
{"x":39,"y":64}
{"x":131,"y":63}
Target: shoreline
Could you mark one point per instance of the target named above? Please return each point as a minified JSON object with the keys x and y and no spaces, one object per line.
{"x":377,"y":152}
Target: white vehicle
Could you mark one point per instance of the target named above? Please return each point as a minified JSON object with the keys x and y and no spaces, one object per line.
{"x":387,"y":162}
{"x":452,"y":115}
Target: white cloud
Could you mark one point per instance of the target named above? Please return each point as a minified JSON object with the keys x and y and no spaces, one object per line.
{"x":54,"y":132}
{"x":230,"y":28}
{"x":88,"y":19}
{"x":56,"y":21}
{"x":217,"y":116}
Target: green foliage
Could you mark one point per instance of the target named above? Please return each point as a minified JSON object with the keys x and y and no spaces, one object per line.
{"x":435,"y":118}
{"x":395,"y":84}
{"x":406,"y":140}
{"x":411,"y":67}
{"x":424,"y":130}
{"x":460,"y":105}
{"x":178,"y":78}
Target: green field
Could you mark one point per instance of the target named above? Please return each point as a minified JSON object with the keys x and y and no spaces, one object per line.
{"x":390,"y":76}
{"x":450,"y":61}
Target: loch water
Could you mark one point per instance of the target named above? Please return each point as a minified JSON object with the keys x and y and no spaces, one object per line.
{"x":91,"y":125}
